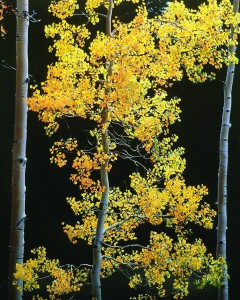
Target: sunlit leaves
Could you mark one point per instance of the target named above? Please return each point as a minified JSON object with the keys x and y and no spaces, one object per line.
{"x":5,"y":10}
{"x":125,"y":75}
{"x":63,"y":8}
{"x":164,"y":258}
{"x":63,"y":280}
{"x":2,"y":7}
{"x":146,"y":54}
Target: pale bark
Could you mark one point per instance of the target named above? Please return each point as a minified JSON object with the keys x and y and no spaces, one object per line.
{"x":19,"y":149}
{"x":97,"y":245}
{"x":98,"y":240}
{"x":223,"y":168}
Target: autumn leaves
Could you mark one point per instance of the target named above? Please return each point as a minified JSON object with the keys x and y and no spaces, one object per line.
{"x":146,"y":56}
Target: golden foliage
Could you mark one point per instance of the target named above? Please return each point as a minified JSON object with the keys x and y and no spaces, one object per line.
{"x":126,"y":74}
{"x":64,"y":280}
{"x":4,"y":10}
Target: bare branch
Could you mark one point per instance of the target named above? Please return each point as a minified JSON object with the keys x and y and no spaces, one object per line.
{"x":129,"y":264}
{"x":90,"y":15}
{"x":122,"y":222}
{"x":126,"y":246}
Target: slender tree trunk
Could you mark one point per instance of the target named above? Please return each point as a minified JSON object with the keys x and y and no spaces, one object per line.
{"x":97,"y":244}
{"x":223,"y":168}
{"x":19,"y":149}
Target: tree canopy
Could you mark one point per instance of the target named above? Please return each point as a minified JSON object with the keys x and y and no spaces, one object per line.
{"x":117,"y":81}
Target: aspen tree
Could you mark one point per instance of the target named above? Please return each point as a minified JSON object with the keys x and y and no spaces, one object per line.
{"x":116,"y":79}
{"x":19,"y":160}
{"x":223,"y":158}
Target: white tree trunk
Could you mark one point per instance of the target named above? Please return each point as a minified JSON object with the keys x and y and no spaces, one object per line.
{"x":223,"y":168}
{"x":19,"y":148}
{"x":97,"y":244}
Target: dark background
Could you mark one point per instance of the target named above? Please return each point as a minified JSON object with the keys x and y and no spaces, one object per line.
{"x":48,"y":186}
